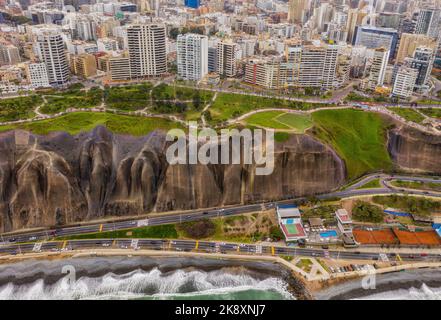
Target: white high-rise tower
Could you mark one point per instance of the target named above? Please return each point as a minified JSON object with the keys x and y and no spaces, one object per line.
{"x":50,"y":49}
{"x":192,"y":56}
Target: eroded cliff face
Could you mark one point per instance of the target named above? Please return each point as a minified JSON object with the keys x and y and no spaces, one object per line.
{"x":414,"y":150}
{"x":60,"y":179}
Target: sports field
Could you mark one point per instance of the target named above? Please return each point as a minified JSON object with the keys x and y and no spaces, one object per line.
{"x":292,"y":229}
{"x":279,"y":120}
{"x":428,"y":238}
{"x":385,"y":236}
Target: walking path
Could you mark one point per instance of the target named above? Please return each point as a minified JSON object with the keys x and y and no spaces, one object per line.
{"x":145,"y":112}
{"x":204,"y":122}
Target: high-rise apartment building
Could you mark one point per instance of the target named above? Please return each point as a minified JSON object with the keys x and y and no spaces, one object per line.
{"x":374,"y":37}
{"x":409,"y":42}
{"x":50,"y":47}
{"x":293,"y":57}
{"x":226,"y":58}
{"x":311,"y":66}
{"x":192,"y":56}
{"x":318,"y":65}
{"x":37,"y":76}
{"x":9,"y":54}
{"x":378,"y":68}
{"x":303,"y":65}
{"x":84,"y":65}
{"x":119,"y":68}
{"x":267,"y":72}
{"x":297,"y":10}
{"x":355,"y":18}
{"x":212,"y":59}
{"x":147,"y":50}
{"x":422,"y":61}
{"x":428,"y":22}
{"x":404,"y":82}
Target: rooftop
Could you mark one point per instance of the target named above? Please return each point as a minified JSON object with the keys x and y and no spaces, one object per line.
{"x":287,"y":211}
{"x":343,"y":215}
{"x":315,"y":222}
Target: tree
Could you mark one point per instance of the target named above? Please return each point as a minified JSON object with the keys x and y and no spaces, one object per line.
{"x":173,"y":33}
{"x":207,"y":115}
{"x":197,"y":102}
{"x":366,"y":212}
{"x":198,"y":229}
{"x":275,"y":233}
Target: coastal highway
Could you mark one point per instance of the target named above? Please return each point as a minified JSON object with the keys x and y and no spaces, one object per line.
{"x":350,"y":191}
{"x":205,"y":246}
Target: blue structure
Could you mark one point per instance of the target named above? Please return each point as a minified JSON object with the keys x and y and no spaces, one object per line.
{"x":192,"y":3}
{"x":398,"y":214}
{"x":128,"y":7}
{"x":437,"y":228}
{"x":377,"y":37}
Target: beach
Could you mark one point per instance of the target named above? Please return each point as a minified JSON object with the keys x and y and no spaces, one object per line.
{"x":144,"y":277}
{"x":421,"y":284}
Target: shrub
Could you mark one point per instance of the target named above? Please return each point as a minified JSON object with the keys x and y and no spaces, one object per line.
{"x":363,"y":211}
{"x":275,"y":233}
{"x":198,"y":229}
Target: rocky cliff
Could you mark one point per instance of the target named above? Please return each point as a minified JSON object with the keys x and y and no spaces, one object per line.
{"x":60,"y":179}
{"x":413,"y":150}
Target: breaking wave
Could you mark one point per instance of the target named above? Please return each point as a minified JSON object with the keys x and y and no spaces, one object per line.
{"x":153,"y":284}
{"x":423,"y":293}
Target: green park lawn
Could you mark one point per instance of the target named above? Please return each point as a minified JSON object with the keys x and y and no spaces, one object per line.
{"x":431,"y":112}
{"x":229,"y":105}
{"x":408,"y":114}
{"x":77,"y":122}
{"x":371,"y":184}
{"x":281,"y":121}
{"x":167,"y":231}
{"x":296,"y":122}
{"x":358,"y":137}
{"x":417,"y":185}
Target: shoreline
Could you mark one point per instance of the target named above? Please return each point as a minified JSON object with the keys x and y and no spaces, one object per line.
{"x":386,"y":282}
{"x":129,"y":260}
{"x":335,"y":288}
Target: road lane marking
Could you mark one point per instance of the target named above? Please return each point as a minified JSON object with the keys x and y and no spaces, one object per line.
{"x":64,"y":244}
{"x":37,"y":246}
{"x":142,"y":223}
{"x":134,"y":244}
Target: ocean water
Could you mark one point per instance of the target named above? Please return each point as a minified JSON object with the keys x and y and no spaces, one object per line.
{"x":423,"y":293}
{"x":153,"y":284}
